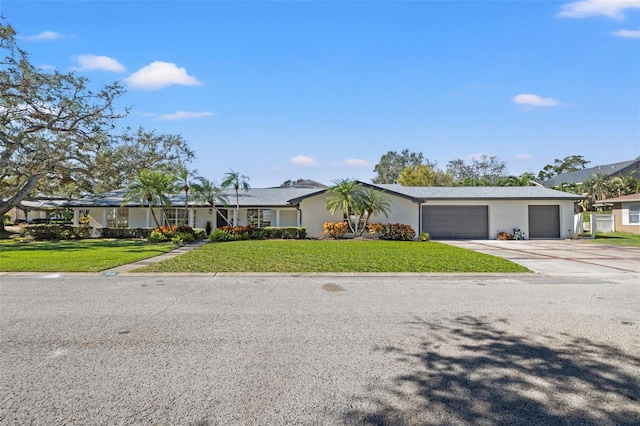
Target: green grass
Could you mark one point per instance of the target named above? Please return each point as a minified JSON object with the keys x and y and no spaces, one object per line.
{"x":74,"y":255}
{"x":332,"y":256}
{"x":615,"y":238}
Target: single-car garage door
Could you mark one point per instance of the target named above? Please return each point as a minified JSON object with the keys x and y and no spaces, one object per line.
{"x":456,"y":222}
{"x":544,"y":221}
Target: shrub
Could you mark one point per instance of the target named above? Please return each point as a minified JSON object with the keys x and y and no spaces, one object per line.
{"x":276,"y":232}
{"x":120,"y":233}
{"x":6,"y":219}
{"x":392,"y":231}
{"x":219,"y":235}
{"x":335,"y":230}
{"x":56,"y":232}
{"x":424,"y":236}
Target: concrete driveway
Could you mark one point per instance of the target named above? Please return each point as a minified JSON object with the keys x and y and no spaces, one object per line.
{"x":561,"y":257}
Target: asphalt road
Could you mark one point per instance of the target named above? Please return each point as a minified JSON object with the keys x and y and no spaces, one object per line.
{"x":510,"y":349}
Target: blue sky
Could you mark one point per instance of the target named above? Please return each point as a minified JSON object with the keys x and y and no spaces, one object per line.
{"x":322,"y":89}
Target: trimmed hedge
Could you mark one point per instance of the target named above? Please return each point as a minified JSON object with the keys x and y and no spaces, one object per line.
{"x":392,"y":231}
{"x":56,"y":232}
{"x":236,"y":233}
{"x":125,"y":233}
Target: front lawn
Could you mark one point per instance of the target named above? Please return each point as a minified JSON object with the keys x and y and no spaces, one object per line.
{"x":332,"y":256}
{"x":615,"y":238}
{"x":74,"y":255}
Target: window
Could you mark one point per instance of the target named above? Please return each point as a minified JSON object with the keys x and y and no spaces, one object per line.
{"x":634,"y":214}
{"x":117,"y":218}
{"x":259,"y":217}
{"x":177,"y":216}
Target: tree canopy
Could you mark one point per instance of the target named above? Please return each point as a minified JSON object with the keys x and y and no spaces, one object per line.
{"x":424,"y":175}
{"x":57,"y":133}
{"x":392,"y":164}
{"x":487,"y":170}
{"x":567,"y":164}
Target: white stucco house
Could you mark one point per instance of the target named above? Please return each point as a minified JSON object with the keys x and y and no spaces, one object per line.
{"x":443,"y":212}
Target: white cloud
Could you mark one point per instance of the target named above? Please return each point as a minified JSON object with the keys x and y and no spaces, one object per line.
{"x":104,"y":63}
{"x":524,"y":156}
{"x":357,"y":163}
{"x":534,"y":100}
{"x":44,"y":36}
{"x":627,"y":34}
{"x":303,"y":160}
{"x":183,"y":115}
{"x":158,"y":74}
{"x":585,"y":8}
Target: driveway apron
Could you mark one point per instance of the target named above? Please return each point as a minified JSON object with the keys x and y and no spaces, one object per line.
{"x":561,"y":257}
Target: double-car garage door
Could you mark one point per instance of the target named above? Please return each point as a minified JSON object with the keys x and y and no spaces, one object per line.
{"x":456,"y":222}
{"x":472,"y":222}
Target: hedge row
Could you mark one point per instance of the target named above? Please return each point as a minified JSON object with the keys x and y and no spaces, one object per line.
{"x":235,"y":233}
{"x":56,"y":232}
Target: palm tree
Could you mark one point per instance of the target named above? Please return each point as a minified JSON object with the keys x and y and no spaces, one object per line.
{"x":343,"y":195}
{"x":370,"y":202}
{"x":209,"y":192}
{"x":151,"y":187}
{"x":183,"y":181}
{"x":236,"y":180}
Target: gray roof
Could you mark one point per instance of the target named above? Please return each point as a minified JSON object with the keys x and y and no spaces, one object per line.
{"x":479,"y":192}
{"x":43,"y":203}
{"x":580,"y":176}
{"x":255,"y":197}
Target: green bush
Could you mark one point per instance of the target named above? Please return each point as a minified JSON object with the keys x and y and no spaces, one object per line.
{"x":393,"y":231}
{"x":56,"y":232}
{"x":7,"y":219}
{"x":424,"y":236}
{"x":287,"y":232}
{"x":220,"y":235}
{"x":125,"y":233}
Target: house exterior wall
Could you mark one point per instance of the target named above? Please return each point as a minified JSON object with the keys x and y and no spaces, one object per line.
{"x":504,"y":215}
{"x":315,"y":214}
{"x":621,"y":218}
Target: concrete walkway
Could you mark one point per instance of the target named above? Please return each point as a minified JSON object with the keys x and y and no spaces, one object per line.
{"x":561,"y":257}
{"x":150,"y":261}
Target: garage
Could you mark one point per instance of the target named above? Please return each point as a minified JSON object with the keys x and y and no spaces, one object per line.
{"x":544,"y":221}
{"x":456,"y":222}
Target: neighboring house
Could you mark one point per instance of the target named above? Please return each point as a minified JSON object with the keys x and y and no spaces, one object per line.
{"x":626,"y":212}
{"x":609,"y":170}
{"x":443,"y":212}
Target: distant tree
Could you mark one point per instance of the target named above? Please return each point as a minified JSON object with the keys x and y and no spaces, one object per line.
{"x":139,"y":150}
{"x":485,"y":171}
{"x":236,"y":180}
{"x":392,"y":164}
{"x":152,"y":187}
{"x":424,"y":175}
{"x":525,"y":179}
{"x":571,"y":163}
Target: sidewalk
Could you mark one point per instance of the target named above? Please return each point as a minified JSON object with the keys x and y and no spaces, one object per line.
{"x":150,"y":261}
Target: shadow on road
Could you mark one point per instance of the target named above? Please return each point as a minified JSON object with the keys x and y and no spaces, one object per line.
{"x":473,"y":371}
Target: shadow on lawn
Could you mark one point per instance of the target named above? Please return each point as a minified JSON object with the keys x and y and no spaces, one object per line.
{"x":126,"y":246}
{"x":472,"y":371}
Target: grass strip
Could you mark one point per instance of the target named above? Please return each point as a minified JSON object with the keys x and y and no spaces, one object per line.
{"x":74,"y":255}
{"x":615,"y":238}
{"x":333,"y":256}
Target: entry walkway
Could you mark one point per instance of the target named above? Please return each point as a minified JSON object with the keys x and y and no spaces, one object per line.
{"x":145,"y":262}
{"x":561,"y":257}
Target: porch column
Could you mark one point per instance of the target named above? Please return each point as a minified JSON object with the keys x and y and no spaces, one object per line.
{"x":278,"y":217}
{"x":76,"y":217}
{"x":191,"y":218}
{"x":104,"y":218}
{"x":148,"y":219}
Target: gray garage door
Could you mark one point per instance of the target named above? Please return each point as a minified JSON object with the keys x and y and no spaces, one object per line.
{"x":544,"y":221}
{"x":456,"y":222}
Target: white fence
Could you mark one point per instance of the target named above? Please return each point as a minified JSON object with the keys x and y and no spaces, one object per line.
{"x":599,"y":223}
